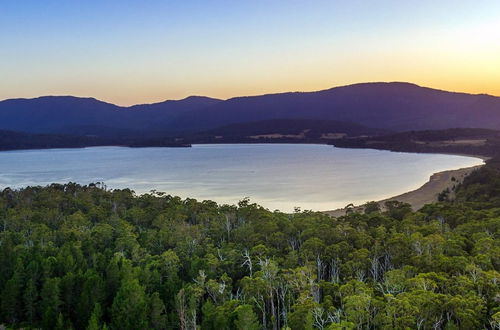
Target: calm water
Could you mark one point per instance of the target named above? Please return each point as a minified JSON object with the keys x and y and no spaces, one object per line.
{"x":277,"y":176}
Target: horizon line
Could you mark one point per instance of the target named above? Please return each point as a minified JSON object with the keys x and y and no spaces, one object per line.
{"x":244,"y":96}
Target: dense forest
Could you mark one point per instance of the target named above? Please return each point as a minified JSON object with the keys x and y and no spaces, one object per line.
{"x":18,"y":140}
{"x":85,"y":257}
{"x":10,"y":140}
{"x":268,"y":131}
{"x":282,"y":131}
{"x":468,"y":141}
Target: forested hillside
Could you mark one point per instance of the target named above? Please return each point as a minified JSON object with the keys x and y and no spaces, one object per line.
{"x":16,"y":140}
{"x":392,"y":106}
{"x":467,"y":141}
{"x":284,"y":130}
{"x":83,"y":257}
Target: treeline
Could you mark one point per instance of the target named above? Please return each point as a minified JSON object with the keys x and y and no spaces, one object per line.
{"x":471,"y":141}
{"x":291,"y":131}
{"x":84,"y":257}
{"x":272,"y":131}
{"x":18,"y":140}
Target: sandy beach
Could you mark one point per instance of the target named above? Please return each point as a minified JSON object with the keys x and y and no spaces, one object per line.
{"x":426,"y":194}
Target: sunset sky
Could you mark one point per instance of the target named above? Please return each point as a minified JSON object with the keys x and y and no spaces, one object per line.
{"x":132,"y":51}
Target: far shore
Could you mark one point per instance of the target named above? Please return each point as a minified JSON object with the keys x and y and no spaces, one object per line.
{"x":426,"y":194}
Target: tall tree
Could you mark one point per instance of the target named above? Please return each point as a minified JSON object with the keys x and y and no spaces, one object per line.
{"x":129,"y":310}
{"x":246,"y":319}
{"x":50,"y":303}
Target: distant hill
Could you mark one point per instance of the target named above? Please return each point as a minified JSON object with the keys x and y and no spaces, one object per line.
{"x":160,"y":117}
{"x":177,"y":106}
{"x":88,"y":116}
{"x":391,"y":106}
{"x":56,"y":114}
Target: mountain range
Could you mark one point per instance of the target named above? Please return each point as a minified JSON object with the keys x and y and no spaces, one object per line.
{"x":388,"y":106}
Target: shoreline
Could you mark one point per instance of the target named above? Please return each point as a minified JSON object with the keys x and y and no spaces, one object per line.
{"x":96,"y":146}
{"x":427,"y":193}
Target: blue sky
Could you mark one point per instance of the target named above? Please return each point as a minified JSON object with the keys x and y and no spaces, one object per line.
{"x":143,"y":51}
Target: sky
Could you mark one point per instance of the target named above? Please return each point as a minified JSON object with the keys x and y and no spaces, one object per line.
{"x":142,"y":51}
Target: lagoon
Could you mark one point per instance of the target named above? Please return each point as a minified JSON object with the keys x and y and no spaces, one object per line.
{"x":276,"y":176}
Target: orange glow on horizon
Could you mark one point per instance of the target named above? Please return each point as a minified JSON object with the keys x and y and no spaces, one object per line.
{"x":125,"y":58}
{"x":473,"y":85}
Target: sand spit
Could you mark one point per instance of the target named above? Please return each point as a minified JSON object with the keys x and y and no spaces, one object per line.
{"x":426,"y":194}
